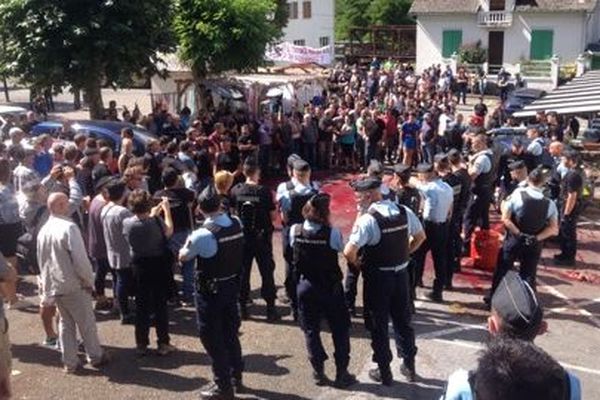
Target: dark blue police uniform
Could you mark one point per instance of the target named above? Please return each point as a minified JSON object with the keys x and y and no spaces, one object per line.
{"x":320,"y":294}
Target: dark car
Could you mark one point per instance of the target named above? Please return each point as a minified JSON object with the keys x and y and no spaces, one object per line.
{"x":109,"y":131}
{"x":517,"y":99}
{"x":504,"y":136}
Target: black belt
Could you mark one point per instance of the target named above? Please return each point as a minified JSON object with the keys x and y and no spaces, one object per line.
{"x":427,"y":221}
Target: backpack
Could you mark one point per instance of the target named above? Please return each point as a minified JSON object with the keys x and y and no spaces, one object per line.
{"x":247,"y":212}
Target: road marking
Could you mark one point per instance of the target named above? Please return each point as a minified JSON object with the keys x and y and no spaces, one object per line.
{"x":556,"y":293}
{"x":561,"y":310}
{"x":473,"y":346}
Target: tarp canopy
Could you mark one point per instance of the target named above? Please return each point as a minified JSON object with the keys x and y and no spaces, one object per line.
{"x":579,"y":96}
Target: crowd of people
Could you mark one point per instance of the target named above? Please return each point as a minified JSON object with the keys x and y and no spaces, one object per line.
{"x":195,"y":204}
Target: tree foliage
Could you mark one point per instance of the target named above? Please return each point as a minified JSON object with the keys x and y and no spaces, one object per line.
{"x":85,"y":43}
{"x":363,"y":13}
{"x":222,"y":35}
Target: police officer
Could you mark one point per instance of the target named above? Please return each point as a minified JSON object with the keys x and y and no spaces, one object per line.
{"x":385,"y":236}
{"x":315,"y":247}
{"x":481,"y":170}
{"x":518,"y":177}
{"x":409,"y":196}
{"x":529,"y":218}
{"x":537,"y":154}
{"x":219,"y":246}
{"x":517,"y":153}
{"x":376,"y":170}
{"x":298,"y":191}
{"x":255,"y":208}
{"x":442,"y":168}
{"x":437,"y":211}
{"x":406,"y":194}
{"x":570,"y":205}
{"x":454,"y":241}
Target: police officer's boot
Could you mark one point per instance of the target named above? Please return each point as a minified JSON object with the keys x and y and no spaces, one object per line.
{"x":382,"y":375}
{"x":318,"y":374}
{"x":272,"y":314}
{"x":408,"y":370}
{"x":238,"y":384}
{"x":343,"y":379}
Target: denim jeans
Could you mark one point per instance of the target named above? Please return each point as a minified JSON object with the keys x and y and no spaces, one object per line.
{"x":125,"y":289}
{"x":187,"y":268}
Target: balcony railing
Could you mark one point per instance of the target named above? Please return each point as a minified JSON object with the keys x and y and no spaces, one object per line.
{"x":495,"y":19}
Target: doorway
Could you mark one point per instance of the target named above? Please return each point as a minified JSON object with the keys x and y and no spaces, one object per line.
{"x":495,"y":49}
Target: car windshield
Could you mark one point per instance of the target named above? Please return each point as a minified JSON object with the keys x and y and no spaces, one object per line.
{"x":143,"y":135}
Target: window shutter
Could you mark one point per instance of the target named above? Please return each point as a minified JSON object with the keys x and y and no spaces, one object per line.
{"x":451,"y":42}
{"x":541,"y":44}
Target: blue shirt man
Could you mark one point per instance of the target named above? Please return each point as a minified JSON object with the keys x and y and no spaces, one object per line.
{"x":439,"y":198}
{"x":514,"y":203}
{"x":201,"y":242}
{"x":336,"y":241}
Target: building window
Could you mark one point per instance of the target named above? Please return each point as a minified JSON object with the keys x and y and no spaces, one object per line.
{"x":300,"y":42}
{"x":324,"y":41}
{"x":293,"y":10}
{"x":451,"y":41}
{"x":542,"y":42}
{"x":307,"y":9}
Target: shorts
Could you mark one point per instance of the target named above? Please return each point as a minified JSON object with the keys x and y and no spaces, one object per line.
{"x":347,"y":149}
{"x":409,"y":143}
{"x":9,"y":233}
{"x":5,"y":354}
{"x":45,"y":300}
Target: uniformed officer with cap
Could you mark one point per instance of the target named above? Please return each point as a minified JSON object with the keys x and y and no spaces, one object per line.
{"x":409,"y":196}
{"x":518,"y":177}
{"x":219,"y":246}
{"x":298,"y":191}
{"x":316,"y":245}
{"x":254,"y":206}
{"x":482,"y":172}
{"x":437,"y":211}
{"x":442,"y":168}
{"x":406,"y":194}
{"x":376,"y":170}
{"x":570,"y":204}
{"x":460,"y":171}
{"x":529,"y":218}
{"x":385,"y":236}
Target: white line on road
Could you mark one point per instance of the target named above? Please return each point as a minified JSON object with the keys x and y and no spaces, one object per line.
{"x":556,"y":293}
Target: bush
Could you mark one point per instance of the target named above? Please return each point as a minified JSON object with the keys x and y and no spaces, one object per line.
{"x":472,"y":53}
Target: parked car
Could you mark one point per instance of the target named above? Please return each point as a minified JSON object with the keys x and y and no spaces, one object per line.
{"x":109,"y":131}
{"x":504,"y":136}
{"x":517,"y":99}
{"x":10,"y":112}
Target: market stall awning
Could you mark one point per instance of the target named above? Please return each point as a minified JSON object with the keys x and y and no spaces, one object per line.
{"x":581,"y":95}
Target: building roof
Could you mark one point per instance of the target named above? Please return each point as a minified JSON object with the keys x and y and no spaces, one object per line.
{"x":472,"y":6}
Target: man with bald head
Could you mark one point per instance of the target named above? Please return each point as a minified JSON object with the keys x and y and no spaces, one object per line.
{"x":67,"y":278}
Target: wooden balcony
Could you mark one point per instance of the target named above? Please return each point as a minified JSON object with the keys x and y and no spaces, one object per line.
{"x":494,"y":19}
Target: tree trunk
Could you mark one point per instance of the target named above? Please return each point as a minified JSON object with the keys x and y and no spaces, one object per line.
{"x":5,"y":83}
{"x":76,"y":99}
{"x":93,"y":97}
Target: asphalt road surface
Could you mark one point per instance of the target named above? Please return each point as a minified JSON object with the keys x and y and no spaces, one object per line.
{"x":449,"y":337}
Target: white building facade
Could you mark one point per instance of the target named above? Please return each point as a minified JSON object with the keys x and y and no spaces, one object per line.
{"x":310,"y":23}
{"x":513,"y":31}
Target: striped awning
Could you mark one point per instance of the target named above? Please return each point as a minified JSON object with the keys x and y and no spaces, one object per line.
{"x":581,"y":95}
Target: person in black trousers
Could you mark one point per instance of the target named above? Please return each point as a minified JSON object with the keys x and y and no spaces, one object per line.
{"x":152,"y":261}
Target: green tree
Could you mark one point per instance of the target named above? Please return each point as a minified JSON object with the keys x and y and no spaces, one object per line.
{"x":389,"y":12}
{"x":86,"y":43}
{"x":363,"y":13}
{"x":221,"y":35}
{"x":349,"y":14}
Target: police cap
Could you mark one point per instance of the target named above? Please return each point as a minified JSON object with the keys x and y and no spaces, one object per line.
{"x":516,"y":304}
{"x":292,"y":158}
{"x":424,"y":168}
{"x":209,"y":200}
{"x":366,"y":183}
{"x":538,"y":175}
{"x":453,"y":156}
{"x":401,"y":169}
{"x":515,"y":165}
{"x":301,"y":166}
{"x":375,"y":168}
